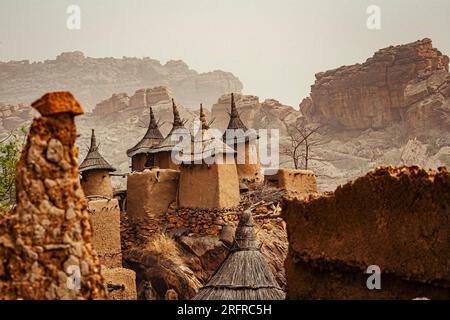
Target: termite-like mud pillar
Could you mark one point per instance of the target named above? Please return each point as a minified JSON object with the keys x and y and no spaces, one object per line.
{"x":45,"y":244}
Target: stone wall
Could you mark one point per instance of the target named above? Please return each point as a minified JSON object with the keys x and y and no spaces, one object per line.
{"x":208,"y":186}
{"x":397,"y":219}
{"x":97,"y":183}
{"x":48,"y":236}
{"x":105,"y":218}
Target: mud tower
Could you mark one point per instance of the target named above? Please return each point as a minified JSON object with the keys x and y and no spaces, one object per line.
{"x":140,"y":155}
{"x":244,"y":141}
{"x":207,"y":179}
{"x":94,"y":169}
{"x":163,"y":152}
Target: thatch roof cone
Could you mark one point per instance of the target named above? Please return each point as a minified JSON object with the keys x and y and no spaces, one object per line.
{"x":236,"y":123}
{"x":170,"y":143}
{"x":235,"y":119}
{"x":94,"y":160}
{"x":203,"y":119}
{"x":177,"y":122}
{"x":245,"y":274}
{"x":151,"y":138}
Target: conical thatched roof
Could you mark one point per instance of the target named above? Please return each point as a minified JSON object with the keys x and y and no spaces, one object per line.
{"x":94,"y":160}
{"x":236,"y":123}
{"x":152,"y":138}
{"x":245,"y":274}
{"x":205,"y":144}
{"x":178,"y":129}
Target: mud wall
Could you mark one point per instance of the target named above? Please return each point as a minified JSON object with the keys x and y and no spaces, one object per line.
{"x":163,"y":160}
{"x":97,"y":183}
{"x":250,"y":170}
{"x":149,"y":194}
{"x":208,"y":186}
{"x":105,"y":219}
{"x":397,"y":219}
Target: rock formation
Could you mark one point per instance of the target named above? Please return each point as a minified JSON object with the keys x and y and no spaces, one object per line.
{"x":45,"y":245}
{"x":94,"y":79}
{"x":394,"y":218}
{"x":406,"y":83}
{"x":266,"y":115}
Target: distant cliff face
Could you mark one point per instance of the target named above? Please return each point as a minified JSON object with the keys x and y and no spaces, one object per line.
{"x":269,"y":114}
{"x":406,"y":83}
{"x":95,"y":79}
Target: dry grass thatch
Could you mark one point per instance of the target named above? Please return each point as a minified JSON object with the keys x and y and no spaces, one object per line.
{"x":161,"y":245}
{"x":244,"y":275}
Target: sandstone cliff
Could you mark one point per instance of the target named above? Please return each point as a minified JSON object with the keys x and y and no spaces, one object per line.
{"x":94,"y":79}
{"x":402,"y":84}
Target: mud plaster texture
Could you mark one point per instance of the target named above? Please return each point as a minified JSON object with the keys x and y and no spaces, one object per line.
{"x":105,"y":218}
{"x":48,"y":236}
{"x":97,"y":183}
{"x":396,"y":218}
{"x":296,"y":182}
{"x":208,"y":186}
{"x":248,"y":167}
{"x":149,"y":194}
{"x":122,"y":283}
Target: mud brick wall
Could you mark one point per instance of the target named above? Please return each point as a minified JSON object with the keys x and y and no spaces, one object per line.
{"x":149,"y":194}
{"x":296,"y":182}
{"x":208,"y":186}
{"x":97,"y":183}
{"x":105,"y":219}
{"x":120,"y":283}
{"x":396,"y":218}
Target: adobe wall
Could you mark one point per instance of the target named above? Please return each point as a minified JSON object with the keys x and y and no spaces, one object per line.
{"x":149,"y":194}
{"x":396,"y":218}
{"x":248,"y":172}
{"x":163,"y":160}
{"x":213,"y":186}
{"x":122,"y":283}
{"x":299,"y":181}
{"x":97,"y":182}
{"x":295,"y":181}
{"x":105,"y":218}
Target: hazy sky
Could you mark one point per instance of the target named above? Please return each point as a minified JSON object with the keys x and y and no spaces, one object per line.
{"x":275,"y":47}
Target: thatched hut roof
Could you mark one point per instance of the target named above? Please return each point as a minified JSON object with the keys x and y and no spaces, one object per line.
{"x":235,"y":123}
{"x":245,"y":274}
{"x":152,"y":138}
{"x":205,"y":144}
{"x":178,"y":129}
{"x":94,"y":160}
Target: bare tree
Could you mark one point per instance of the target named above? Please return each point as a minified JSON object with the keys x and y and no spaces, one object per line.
{"x":303,"y":139}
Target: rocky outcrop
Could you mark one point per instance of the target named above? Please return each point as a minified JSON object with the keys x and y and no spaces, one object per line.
{"x":45,"y":244}
{"x":406,"y":83}
{"x":393,"y":218}
{"x":270,"y":114}
{"x":94,"y":79}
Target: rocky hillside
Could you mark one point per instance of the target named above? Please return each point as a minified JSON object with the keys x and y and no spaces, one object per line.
{"x":95,"y":79}
{"x":407,"y":84}
{"x":394,"y":109}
